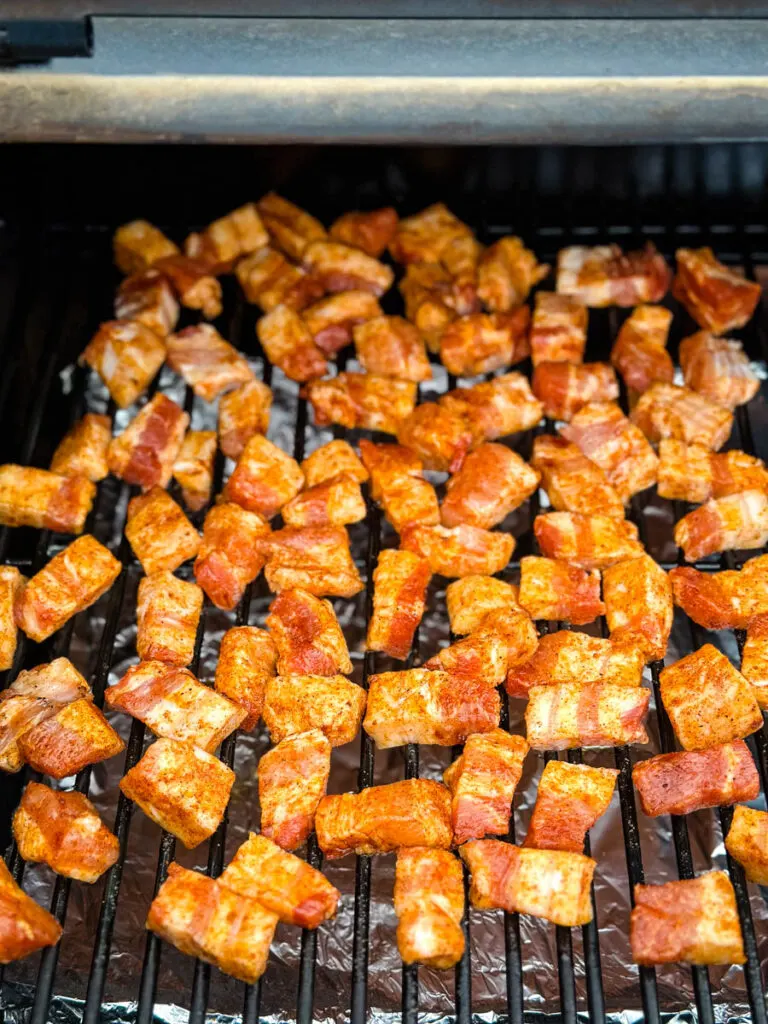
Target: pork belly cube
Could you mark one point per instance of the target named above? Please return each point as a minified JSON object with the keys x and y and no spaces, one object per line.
{"x":298,"y":703}
{"x":617,"y":446}
{"x":573,"y":483}
{"x":723,"y":600}
{"x":492,"y":482}
{"x":569,"y":800}
{"x":193,"y":283}
{"x":398,"y":485}
{"x":685,"y":781}
{"x":64,"y":831}
{"x":691,"y":472}
{"x":231,"y":553}
{"x":589,"y":542}
{"x":341,"y":268}
{"x":362,"y":400}
{"x":638,"y":604}
{"x":227,"y":238}
{"x":193,"y":468}
{"x":380,"y":819}
{"x":26,"y":927}
{"x":288,"y":344}
{"x":423,"y":237}
{"x":692,"y":921}
{"x":182,"y":788}
{"x":392,"y":347}
{"x":145,"y":452}
{"x":603,"y":275}
{"x":148,"y":298}
{"x":314,"y":558}
{"x":332,"y":320}
{"x":572,"y":715}
{"x":71,"y":582}
{"x":331,"y":460}
{"x":754,"y":658}
{"x":506,"y":273}
{"x":286,"y":885}
{"x":434,"y":298}
{"x":293,"y":776}
{"x":334,"y":502}
{"x":174,"y":704}
{"x":570,"y":657}
{"x":371,"y":231}
{"x":139,"y":244}
{"x":558,"y":329}
{"x":481,"y":342}
{"x":459,"y":551}
{"x":290,"y":228}
{"x":718,"y":369}
{"x":264,"y":479}
{"x":666,"y":410}
{"x":205,"y":919}
{"x":429,"y":903}
{"x":640,"y":350}
{"x":11,"y":585}
{"x":247,"y":659}
{"x":439,"y":437}
{"x":168,"y":612}
{"x":400,"y":582}
{"x":243,"y":413}
{"x":207,"y":363}
{"x":470,"y":599}
{"x":307,"y":635}
{"x":160,"y":535}
{"x":269,"y":280}
{"x":428,"y":706}
{"x":126,"y":355}
{"x":719,"y":299}
{"x":708,"y":701}
{"x":722,"y":524}
{"x":83,"y":450}
{"x":747,"y":842}
{"x":556,"y":591}
{"x":482,"y":781}
{"x":504,"y":638}
{"x":461,"y":258}
{"x":495,"y":408}
{"x":553,"y":884}
{"x":389,"y":465}
{"x":77,"y":735}
{"x":564,"y":388}
{"x":44,"y":500}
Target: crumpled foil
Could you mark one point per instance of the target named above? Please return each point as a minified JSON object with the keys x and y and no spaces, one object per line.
{"x":334,"y":947}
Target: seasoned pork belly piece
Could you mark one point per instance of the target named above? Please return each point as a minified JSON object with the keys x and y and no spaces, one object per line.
{"x":247,"y":659}
{"x":558,"y":329}
{"x":666,"y":410}
{"x":726,"y":599}
{"x":481,"y":342}
{"x":307,"y":635}
{"x":208,"y":363}
{"x":64,"y":831}
{"x":371,"y":231}
{"x":269,"y":280}
{"x":11,"y":585}
{"x":718,"y":369}
{"x":334,"y":502}
{"x":400,"y":582}
{"x":482,"y":781}
{"x":392,"y":347}
{"x":193,"y":468}
{"x":380,"y":819}
{"x":719,"y":299}
{"x":691,"y":472}
{"x":573,"y":483}
{"x":586,"y":715}
{"x":429,"y":903}
{"x":139,"y":244}
{"x":193,"y":283}
{"x":126,"y":355}
{"x":470,"y":599}
{"x":243,"y":413}
{"x":331,"y":460}
{"x":293,"y":776}
{"x":44,"y":500}
{"x":638,"y":604}
{"x":160,"y":535}
{"x":288,"y":345}
{"x":167,"y":611}
{"x":83,"y":450}
{"x":686,"y":781}
{"x":569,"y":800}
{"x":314,"y":558}
{"x":754,"y":659}
{"x":68,"y":584}
{"x":75,"y":736}
{"x":342,"y":268}
{"x":204,"y":918}
{"x":461,"y":258}
{"x":640,"y":350}
{"x":264,"y":479}
{"x":692,"y":921}
{"x":434,"y":298}
{"x":423,"y":237}
{"x":603,"y":275}
{"x":506,"y":273}
{"x":554,"y":591}
{"x":182,"y":788}
{"x":148,"y":298}
{"x":569,"y":657}
{"x":25,"y":926}
{"x":461,"y":550}
{"x":747,"y":842}
{"x":735,"y":522}
{"x":290,"y":228}
{"x":172,"y":702}
{"x":495,"y":408}
{"x":504,"y":638}
{"x":227,"y":238}
{"x":564,"y":388}
{"x":553,"y":884}
{"x":589,"y":542}
{"x":617,"y":446}
{"x":363,"y":401}
{"x":332,"y":320}
{"x":299,"y":703}
{"x":493,"y":480}
{"x":398,"y":484}
{"x":145,"y":452}
{"x":231,"y":553}
{"x":286,"y":885}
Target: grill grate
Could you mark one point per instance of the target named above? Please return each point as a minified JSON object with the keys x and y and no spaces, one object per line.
{"x":60,"y":287}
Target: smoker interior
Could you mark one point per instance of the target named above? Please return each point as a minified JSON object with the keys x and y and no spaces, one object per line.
{"x":58,"y":207}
